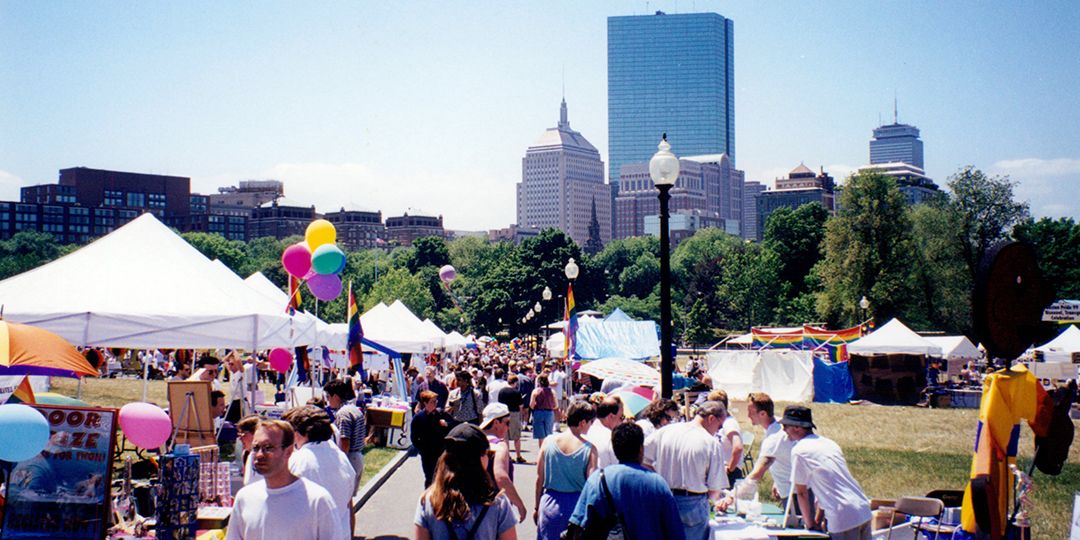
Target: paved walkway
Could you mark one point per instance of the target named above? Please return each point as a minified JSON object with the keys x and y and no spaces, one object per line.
{"x":388,"y":515}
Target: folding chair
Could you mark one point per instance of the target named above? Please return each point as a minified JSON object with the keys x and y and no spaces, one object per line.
{"x":748,"y":456}
{"x":920,"y":507}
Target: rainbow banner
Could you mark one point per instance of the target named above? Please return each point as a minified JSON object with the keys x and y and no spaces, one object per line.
{"x":16,"y":389}
{"x":356,"y":336}
{"x":773,"y":339}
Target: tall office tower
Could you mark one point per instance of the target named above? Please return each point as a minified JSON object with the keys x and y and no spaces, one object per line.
{"x":562,"y":176}
{"x":751,"y":190}
{"x":896,"y":143}
{"x":669,"y":74}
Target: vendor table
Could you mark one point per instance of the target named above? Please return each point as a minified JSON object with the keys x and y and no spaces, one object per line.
{"x":742,"y":530}
{"x":965,"y":399}
{"x":385,"y":418}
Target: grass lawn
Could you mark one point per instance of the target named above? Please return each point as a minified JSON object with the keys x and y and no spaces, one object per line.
{"x":892,"y":451}
{"x":375,"y":457}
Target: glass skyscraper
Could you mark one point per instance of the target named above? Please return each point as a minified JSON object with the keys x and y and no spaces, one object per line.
{"x":669,"y":74}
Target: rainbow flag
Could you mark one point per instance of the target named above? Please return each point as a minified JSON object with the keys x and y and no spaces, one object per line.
{"x":356,"y":335}
{"x":774,"y":339}
{"x":294,"y":295}
{"x":833,"y":341}
{"x":570,"y":331}
{"x":20,"y":393}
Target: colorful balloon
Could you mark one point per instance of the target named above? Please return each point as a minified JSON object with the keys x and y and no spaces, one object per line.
{"x":447,"y":274}
{"x":325,"y":287}
{"x":145,"y":425}
{"x":280,"y":359}
{"x":320,"y":232}
{"x":297,"y":260}
{"x":24,"y":432}
{"x":327,"y":259}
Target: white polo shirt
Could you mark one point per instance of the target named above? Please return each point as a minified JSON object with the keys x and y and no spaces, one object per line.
{"x":326,"y":465}
{"x":777,"y":445}
{"x":819,"y":463}
{"x":687,"y":456}
{"x":600,"y":437}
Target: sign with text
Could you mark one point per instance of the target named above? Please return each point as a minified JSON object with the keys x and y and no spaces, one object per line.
{"x":1062,"y":311}
{"x":63,"y":492}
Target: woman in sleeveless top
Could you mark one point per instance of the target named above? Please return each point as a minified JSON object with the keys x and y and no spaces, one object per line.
{"x":543,"y":403}
{"x":565,"y":462}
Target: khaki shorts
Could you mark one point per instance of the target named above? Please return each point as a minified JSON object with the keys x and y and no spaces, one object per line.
{"x":515,"y":427}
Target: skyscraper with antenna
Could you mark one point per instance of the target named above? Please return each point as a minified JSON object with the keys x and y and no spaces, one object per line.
{"x":896,"y":143}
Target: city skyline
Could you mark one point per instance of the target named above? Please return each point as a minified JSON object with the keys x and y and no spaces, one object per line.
{"x":431,"y":106}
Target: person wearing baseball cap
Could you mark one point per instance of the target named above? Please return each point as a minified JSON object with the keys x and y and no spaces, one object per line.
{"x":496,"y":425}
{"x":463,"y":502}
{"x":818,"y":464}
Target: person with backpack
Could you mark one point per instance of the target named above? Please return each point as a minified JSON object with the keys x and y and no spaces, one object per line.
{"x":463,"y":502}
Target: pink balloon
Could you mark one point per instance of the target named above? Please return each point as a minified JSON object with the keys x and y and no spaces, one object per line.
{"x":447,"y":274}
{"x":296,"y":259}
{"x":280,"y":359}
{"x":325,"y":287}
{"x":145,"y":424}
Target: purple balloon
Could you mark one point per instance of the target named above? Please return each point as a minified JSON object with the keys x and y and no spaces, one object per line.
{"x":325,"y":287}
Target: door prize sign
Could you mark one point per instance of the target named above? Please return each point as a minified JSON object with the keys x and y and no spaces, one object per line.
{"x":63,"y":492}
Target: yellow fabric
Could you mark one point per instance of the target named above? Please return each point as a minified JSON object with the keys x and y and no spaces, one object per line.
{"x":1008,"y":396}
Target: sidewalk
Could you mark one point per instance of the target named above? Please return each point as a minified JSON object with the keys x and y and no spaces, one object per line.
{"x":388,"y":514}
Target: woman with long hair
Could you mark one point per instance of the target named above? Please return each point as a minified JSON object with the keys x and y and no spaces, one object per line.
{"x":462,"y":501}
{"x":565,"y":462}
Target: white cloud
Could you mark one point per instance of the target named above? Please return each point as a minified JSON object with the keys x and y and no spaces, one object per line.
{"x":841,"y":171}
{"x":1048,"y":185}
{"x":466,"y":201}
{"x":9,"y":186}
{"x":1038,"y":167}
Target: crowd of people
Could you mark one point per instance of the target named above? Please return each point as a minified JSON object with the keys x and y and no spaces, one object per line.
{"x":657,"y":475}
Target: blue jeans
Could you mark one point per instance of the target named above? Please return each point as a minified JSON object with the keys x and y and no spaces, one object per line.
{"x":694,"y":513}
{"x":543,"y":424}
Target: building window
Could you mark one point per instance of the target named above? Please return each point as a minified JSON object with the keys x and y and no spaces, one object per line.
{"x":114,"y":198}
{"x":137,"y":200}
{"x":157,"y":200}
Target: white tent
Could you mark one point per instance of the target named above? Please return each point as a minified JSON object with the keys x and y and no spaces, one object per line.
{"x":784,"y":374}
{"x":326,"y":335}
{"x":1061,"y":348}
{"x":956,"y":347}
{"x":556,"y":345}
{"x":432,"y":333}
{"x":142,"y":286}
{"x":386,"y":326}
{"x":455,"y":341}
{"x":894,"y":337}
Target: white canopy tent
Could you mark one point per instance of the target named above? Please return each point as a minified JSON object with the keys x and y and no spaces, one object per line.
{"x":1061,"y":348}
{"x":430,"y":332}
{"x":142,"y":286}
{"x":894,"y":338}
{"x":784,"y":374}
{"x":455,"y":341}
{"x":556,"y":345}
{"x":386,"y":326}
{"x":956,"y":347}
{"x":326,"y":335}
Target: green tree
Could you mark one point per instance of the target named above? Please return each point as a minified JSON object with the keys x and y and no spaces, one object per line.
{"x":215,"y":246}
{"x":749,"y":287}
{"x":987,"y":212}
{"x":27,"y":250}
{"x":795,"y":235}
{"x":867,"y":252}
{"x":620,"y":254}
{"x":941,"y":284}
{"x":640,"y":278}
{"x":647,"y":309}
{"x":429,"y":251}
{"x":698,"y":329}
{"x":399,"y":284}
{"x":1057,"y":245}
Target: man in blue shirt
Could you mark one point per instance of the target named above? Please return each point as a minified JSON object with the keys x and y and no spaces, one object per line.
{"x":641,"y":497}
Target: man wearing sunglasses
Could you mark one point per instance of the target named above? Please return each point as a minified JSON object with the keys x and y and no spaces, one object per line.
{"x":282,"y":505}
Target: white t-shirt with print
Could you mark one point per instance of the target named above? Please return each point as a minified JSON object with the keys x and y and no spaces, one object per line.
{"x":819,"y":463}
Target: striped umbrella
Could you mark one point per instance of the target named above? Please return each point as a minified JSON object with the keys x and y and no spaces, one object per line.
{"x":622,"y":369}
{"x":635,"y":399}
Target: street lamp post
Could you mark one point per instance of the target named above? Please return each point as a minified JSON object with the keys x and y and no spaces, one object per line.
{"x":865,"y":305}
{"x":664,"y":170}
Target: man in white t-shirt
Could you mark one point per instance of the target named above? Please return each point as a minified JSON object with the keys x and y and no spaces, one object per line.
{"x":774,"y":455}
{"x":818,"y":464}
{"x":319,"y":459}
{"x":688,"y":456}
{"x":608,"y":415}
{"x":282,"y":505}
{"x":730,"y":436}
{"x":496,"y":384}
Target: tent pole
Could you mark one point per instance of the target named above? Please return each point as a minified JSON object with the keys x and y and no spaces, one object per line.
{"x":145,"y":377}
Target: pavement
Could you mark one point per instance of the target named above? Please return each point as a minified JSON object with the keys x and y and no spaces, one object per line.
{"x":388,"y":514}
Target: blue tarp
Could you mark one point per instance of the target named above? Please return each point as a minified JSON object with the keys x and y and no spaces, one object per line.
{"x":618,"y":316}
{"x":832,"y":382}
{"x":628,"y":339}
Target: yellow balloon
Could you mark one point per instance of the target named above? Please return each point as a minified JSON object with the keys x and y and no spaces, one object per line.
{"x":320,"y":232}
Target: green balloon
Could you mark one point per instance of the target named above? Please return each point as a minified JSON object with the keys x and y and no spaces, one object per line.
{"x":327,"y":259}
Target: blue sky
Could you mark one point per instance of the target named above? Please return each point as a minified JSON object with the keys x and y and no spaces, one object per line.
{"x":431,"y":105}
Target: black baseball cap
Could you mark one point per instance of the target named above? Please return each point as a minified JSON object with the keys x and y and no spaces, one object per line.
{"x":797,"y":415}
{"x":468,"y":439}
